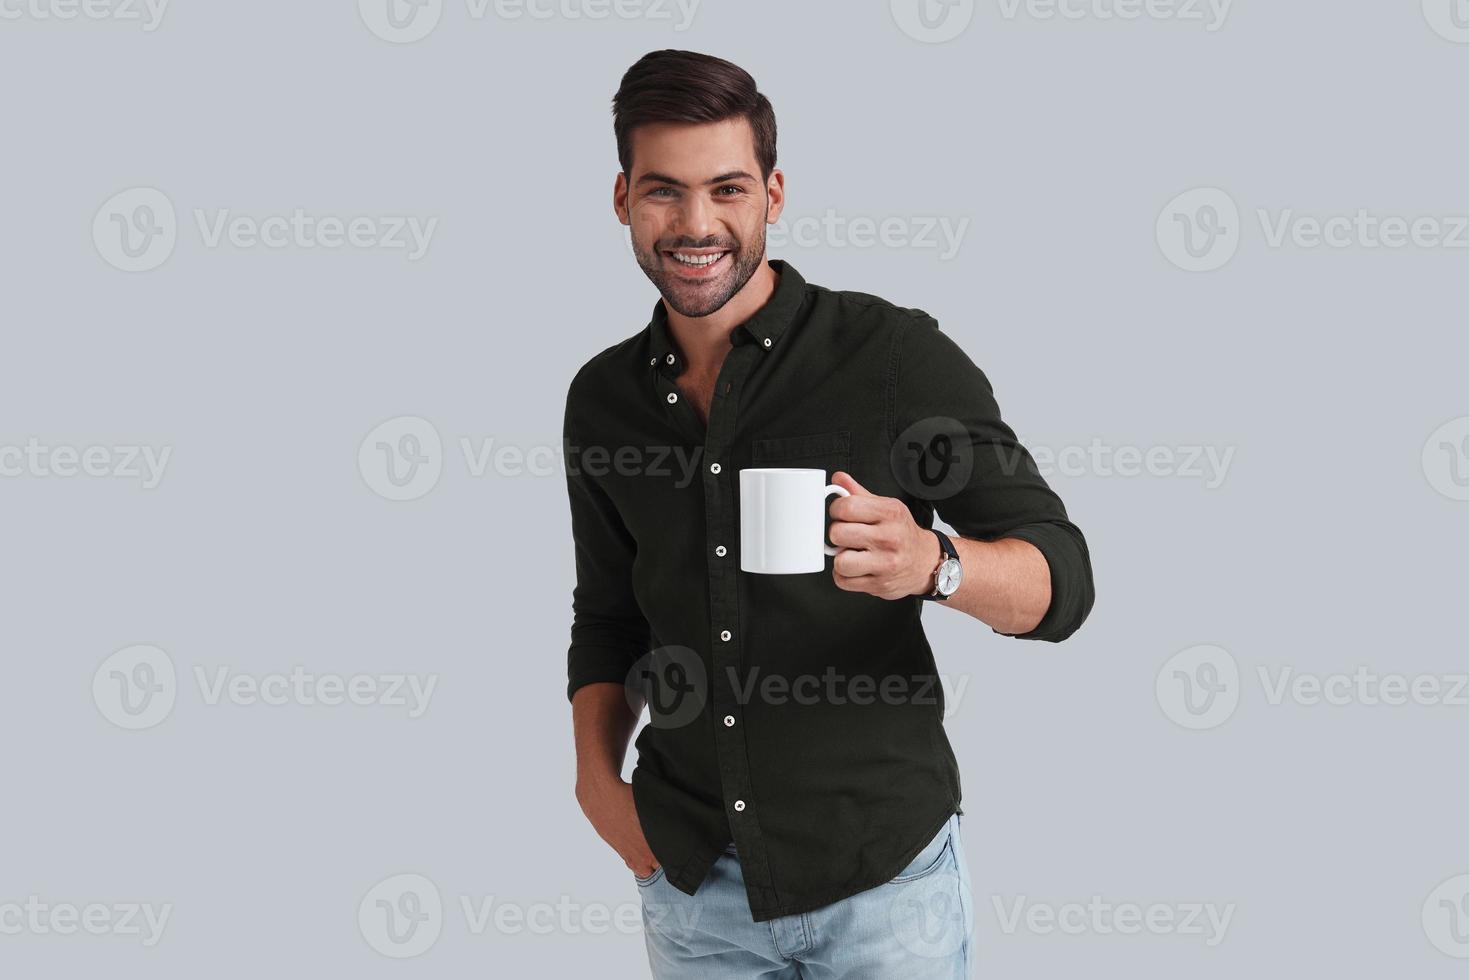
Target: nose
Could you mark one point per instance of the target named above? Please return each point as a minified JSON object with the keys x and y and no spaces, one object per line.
{"x":694,"y":218}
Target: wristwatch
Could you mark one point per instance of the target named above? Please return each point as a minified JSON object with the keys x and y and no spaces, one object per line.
{"x":949,"y":574}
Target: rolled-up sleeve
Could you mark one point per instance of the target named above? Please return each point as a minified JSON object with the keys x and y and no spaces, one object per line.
{"x":608,"y":631}
{"x":1005,"y":495}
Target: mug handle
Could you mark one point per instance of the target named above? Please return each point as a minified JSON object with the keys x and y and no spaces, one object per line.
{"x":832,"y":488}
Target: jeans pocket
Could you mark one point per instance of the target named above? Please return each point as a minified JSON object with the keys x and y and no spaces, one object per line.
{"x":657,"y":873}
{"x":930,"y":858}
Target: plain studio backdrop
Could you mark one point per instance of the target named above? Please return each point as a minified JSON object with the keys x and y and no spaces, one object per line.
{"x":216,"y":313}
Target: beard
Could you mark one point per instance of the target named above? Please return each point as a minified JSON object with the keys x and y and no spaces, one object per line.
{"x":703,"y":297}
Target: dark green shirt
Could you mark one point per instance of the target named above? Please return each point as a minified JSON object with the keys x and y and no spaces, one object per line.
{"x":801,"y":721}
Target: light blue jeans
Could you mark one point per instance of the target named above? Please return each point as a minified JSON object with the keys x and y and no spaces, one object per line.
{"x":917,"y":926}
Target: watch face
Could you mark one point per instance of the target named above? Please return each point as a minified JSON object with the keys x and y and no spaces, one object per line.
{"x":951,"y":573}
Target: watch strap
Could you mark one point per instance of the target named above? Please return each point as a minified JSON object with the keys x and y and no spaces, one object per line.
{"x":948,"y":551}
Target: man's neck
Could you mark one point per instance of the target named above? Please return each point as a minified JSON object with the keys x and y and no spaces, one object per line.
{"x":705,"y":340}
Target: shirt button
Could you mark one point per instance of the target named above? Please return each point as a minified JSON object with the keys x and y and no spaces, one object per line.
{"x":670,"y":358}
{"x":672,"y":398}
{"x":721,"y":551}
{"x":725,"y":635}
{"x":714,"y":467}
{"x":739,"y":804}
{"x":729,"y":721}
{"x":767,"y":341}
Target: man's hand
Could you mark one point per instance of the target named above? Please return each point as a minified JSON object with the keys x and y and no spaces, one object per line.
{"x":608,"y":804}
{"x":888,"y":555}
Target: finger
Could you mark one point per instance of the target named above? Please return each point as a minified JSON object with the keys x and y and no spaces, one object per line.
{"x":865,"y":584}
{"x":863,"y":510}
{"x":854,"y":534}
{"x":845,"y":480}
{"x":856,"y":564}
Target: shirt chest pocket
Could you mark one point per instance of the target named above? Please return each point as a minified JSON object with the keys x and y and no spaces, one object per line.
{"x":829,"y":451}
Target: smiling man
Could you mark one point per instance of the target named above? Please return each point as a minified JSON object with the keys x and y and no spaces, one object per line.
{"x":795,"y":807}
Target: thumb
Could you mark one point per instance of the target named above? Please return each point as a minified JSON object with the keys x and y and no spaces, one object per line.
{"x":844,"y":479}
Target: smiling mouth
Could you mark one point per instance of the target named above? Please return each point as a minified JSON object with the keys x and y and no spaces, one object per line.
{"x":697,"y":263}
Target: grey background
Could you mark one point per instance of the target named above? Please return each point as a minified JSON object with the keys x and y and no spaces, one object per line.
{"x":1326,"y":546}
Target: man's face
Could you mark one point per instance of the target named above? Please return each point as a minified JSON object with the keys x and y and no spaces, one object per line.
{"x":697,"y":210}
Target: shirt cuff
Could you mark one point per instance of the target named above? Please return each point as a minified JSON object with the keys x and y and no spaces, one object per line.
{"x":1072,"y":592}
{"x":594,"y":664}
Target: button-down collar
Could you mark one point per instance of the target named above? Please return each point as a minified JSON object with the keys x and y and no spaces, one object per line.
{"x":763,"y":328}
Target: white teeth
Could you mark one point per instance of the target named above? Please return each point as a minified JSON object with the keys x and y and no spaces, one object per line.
{"x":698,"y":260}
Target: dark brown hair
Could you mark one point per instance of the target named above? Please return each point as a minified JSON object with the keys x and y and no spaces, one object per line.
{"x":689,"y":87}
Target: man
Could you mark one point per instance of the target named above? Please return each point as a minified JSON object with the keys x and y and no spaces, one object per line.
{"x":795,"y":808}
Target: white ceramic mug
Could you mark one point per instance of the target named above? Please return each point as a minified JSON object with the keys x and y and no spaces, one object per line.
{"x":783,"y":520}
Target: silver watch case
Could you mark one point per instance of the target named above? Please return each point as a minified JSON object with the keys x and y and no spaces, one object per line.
{"x":946,"y":580}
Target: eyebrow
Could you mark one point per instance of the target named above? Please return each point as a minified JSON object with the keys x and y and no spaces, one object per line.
{"x":655,"y":177}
